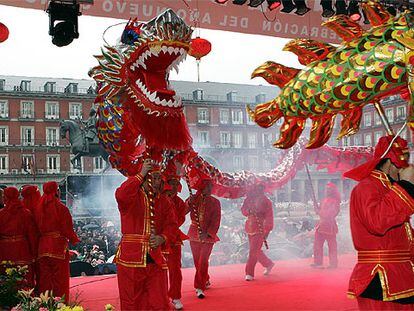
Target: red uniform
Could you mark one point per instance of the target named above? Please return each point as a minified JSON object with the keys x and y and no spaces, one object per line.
{"x":209,"y":210}
{"x":142,"y":271}
{"x":174,"y":257}
{"x":380,"y":211}
{"x":18,"y":233}
{"x":259,"y":223}
{"x":31,"y":197}
{"x":327,"y":228}
{"x":56,"y":230}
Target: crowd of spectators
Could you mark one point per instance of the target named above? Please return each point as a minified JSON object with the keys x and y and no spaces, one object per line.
{"x":291,"y":238}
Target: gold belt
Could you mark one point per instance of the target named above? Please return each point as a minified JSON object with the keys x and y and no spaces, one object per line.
{"x":135,"y":238}
{"x":383,"y":256}
{"x":53,"y":234}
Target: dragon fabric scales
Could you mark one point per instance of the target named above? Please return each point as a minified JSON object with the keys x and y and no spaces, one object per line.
{"x":366,"y":67}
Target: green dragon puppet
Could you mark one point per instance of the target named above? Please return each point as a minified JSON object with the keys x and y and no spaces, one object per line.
{"x":367,"y":66}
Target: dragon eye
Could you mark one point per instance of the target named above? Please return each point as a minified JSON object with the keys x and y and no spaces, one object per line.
{"x":129,"y":37}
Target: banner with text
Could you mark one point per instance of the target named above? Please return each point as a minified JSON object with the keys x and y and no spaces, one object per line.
{"x":211,"y":15}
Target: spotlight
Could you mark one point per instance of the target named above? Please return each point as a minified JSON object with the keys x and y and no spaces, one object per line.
{"x":255,"y":3}
{"x":353,"y":11}
{"x":273,"y":4}
{"x":221,"y":1}
{"x":301,"y":8}
{"x":66,"y":29}
{"x":239,"y":2}
{"x":340,"y":6}
{"x":327,"y":10}
{"x":288,"y":6}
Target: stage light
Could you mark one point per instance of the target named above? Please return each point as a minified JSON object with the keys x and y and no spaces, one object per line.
{"x":340,"y":7}
{"x":353,"y":11}
{"x":255,"y":3}
{"x":221,"y":1}
{"x":288,"y":6}
{"x":327,"y":10}
{"x":273,"y":4}
{"x":301,"y":8}
{"x":239,"y":2}
{"x":66,"y":29}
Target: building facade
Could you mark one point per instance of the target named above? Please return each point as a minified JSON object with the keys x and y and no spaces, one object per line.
{"x":32,"y":150}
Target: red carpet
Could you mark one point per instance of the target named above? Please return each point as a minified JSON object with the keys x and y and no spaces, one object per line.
{"x":293,"y":285}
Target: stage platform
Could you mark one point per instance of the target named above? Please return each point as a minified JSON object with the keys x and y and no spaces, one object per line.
{"x":292,"y":285}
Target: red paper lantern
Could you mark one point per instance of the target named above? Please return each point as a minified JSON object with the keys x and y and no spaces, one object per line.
{"x":199,"y":48}
{"x":4,"y":32}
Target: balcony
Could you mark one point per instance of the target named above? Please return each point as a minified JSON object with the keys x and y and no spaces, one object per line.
{"x":26,"y":116}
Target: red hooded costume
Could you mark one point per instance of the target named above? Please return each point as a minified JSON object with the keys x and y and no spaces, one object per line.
{"x":205,"y":213}
{"x":259,"y":212}
{"x":326,"y":229}
{"x":56,"y":231}
{"x":31,"y":197}
{"x":18,"y":233}
{"x":142,"y":270}
{"x":380,"y":210}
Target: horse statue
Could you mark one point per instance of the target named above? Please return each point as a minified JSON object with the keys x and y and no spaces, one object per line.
{"x":81,"y":145}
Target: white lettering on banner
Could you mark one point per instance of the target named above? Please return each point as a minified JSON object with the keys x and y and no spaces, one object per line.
{"x":324,"y":33}
{"x":41,"y":1}
{"x":234,"y":21}
{"x":194,"y":15}
{"x":266,"y":26}
{"x":304,"y":31}
{"x":121,"y":7}
{"x":314,"y":32}
{"x":107,"y":6}
{"x":133,"y":9}
{"x":294,"y":29}
{"x":206,"y":19}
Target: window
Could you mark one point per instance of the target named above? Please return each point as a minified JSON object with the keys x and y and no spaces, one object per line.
{"x":237,"y":163}
{"x":50,"y":87}
{"x":4,"y":135}
{"x":202,"y":115}
{"x":377,"y":119}
{"x":260,"y":98}
{"x":53,"y":163}
{"x":250,"y":121}
{"x":225,"y":139}
{"x":377,"y":136}
{"x":26,"y":108}
{"x":52,"y":138}
{"x":2,"y":84}
{"x":198,"y":94}
{"x":345,"y":141}
{"x":237,"y":140}
{"x":251,"y":140}
{"x":224,"y":116}
{"x":27,"y":163}
{"x":368,"y":139}
{"x":203,"y":139}
{"x":390,"y":114}
{"x":75,"y":111}
{"x":253,"y":162}
{"x":98,"y":164}
{"x":72,"y":88}
{"x":267,"y":140}
{"x":52,"y":110}
{"x":4,"y":109}
{"x":27,"y":135}
{"x":72,"y":167}
{"x":401,"y":113}
{"x":357,"y":140}
{"x":4,"y":164}
{"x":237,"y":116}
{"x":231,"y":96}
{"x":367,"y":119}
{"x":25,"y":85}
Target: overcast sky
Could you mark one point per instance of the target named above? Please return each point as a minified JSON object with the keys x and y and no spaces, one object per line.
{"x":30,"y":52}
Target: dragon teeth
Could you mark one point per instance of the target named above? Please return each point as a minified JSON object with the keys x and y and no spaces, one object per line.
{"x":170,"y":50}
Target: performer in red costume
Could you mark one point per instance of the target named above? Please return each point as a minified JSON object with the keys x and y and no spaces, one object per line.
{"x":147,"y":222}
{"x":380,"y":209}
{"x":205,"y":222}
{"x":55,"y":225}
{"x":31,"y":197}
{"x":18,"y":234}
{"x":326,"y":229}
{"x":259,"y":212}
{"x":171,"y":189}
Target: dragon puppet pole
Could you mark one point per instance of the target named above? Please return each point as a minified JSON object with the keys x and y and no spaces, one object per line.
{"x":384,"y":118}
{"x":315,"y":202}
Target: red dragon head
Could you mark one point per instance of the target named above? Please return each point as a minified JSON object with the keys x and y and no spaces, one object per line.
{"x":133,"y":76}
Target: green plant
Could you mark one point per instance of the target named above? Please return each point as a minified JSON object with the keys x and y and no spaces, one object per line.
{"x":11,"y":281}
